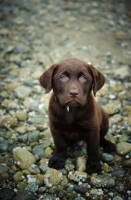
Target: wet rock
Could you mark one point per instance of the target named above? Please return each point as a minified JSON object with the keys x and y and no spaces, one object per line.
{"x":123,"y":148}
{"x":48,"y":151}
{"x":104,"y":181}
{"x":44,"y":167}
{"x":34,"y":136}
{"x":38,"y":151}
{"x":120,"y":35}
{"x":82,"y":188}
{"x":52,"y":177}
{"x":6,"y":194}
{"x":107,"y":157}
{"x":48,"y":197}
{"x":127,"y":163}
{"x":18,"y":176}
{"x":3,"y":145}
{"x":77,"y":176}
{"x":22,"y":92}
{"x":123,"y":72}
{"x":25,"y":195}
{"x":21,"y":115}
{"x":112,"y":108}
{"x":81,"y":163}
{"x":33,"y":169}
{"x":21,"y":129}
{"x":3,"y":168}
{"x":23,"y":157}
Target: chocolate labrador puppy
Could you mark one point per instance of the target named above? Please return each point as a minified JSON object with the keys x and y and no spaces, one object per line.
{"x":74,"y":115}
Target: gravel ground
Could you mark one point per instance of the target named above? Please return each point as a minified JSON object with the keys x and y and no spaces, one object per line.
{"x":33,"y":35}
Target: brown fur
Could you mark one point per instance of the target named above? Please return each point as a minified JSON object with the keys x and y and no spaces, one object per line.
{"x":73,"y":81}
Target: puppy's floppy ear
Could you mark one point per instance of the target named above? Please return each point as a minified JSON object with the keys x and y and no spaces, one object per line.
{"x":98,"y":78}
{"x":46,"y":78}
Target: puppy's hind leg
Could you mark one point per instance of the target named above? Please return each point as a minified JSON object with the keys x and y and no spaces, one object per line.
{"x":107,"y":145}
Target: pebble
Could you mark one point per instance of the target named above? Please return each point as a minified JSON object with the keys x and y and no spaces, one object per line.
{"x":32,"y":187}
{"x":48,"y":151}
{"x":3,"y":145}
{"x":104,"y":181}
{"x":44,"y":167}
{"x":21,"y":115}
{"x":23,"y":157}
{"x":82,"y":188}
{"x":3,"y":168}
{"x":123,"y":148}
{"x":22,"y":91}
{"x":77,"y":176}
{"x":52,"y":177}
{"x":127,"y":163}
{"x":33,"y":169}
{"x":107,"y":157}
{"x":18,"y":176}
{"x":33,"y":136}
{"x":81,"y":163}
{"x":38,"y":151}
{"x":112,"y":108}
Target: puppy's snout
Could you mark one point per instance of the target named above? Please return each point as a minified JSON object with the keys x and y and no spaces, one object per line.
{"x":73,"y":92}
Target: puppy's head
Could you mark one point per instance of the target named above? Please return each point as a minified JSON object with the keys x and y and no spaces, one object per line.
{"x":72,"y":81}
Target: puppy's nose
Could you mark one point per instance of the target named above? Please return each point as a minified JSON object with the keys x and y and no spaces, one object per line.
{"x":73,"y":92}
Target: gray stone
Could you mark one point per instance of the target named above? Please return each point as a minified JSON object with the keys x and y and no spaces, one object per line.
{"x":104,"y":181}
{"x":44,"y":167}
{"x":38,"y":151}
{"x":3,"y":145}
{"x":107,"y":157}
{"x":34,"y":136}
{"x":123,"y":148}
{"x":7,"y":194}
{"x":3,"y":168}
{"x":25,"y":195}
{"x":22,"y":91}
{"x":82,"y":188}
{"x":32,"y":187}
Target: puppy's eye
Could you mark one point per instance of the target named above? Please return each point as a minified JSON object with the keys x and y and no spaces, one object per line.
{"x":82,"y":78}
{"x":63,"y":77}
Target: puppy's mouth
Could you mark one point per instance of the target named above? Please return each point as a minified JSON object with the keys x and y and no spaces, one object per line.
{"x":73,"y":103}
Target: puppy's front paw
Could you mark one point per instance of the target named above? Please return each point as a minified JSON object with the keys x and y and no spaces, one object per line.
{"x":108,"y":146}
{"x":57,"y":162}
{"x":93,"y":166}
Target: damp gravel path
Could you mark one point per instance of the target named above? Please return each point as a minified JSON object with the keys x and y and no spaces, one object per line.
{"x":33,"y":35}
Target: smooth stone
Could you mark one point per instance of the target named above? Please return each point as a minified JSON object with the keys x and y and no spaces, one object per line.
{"x":107,"y":157}
{"x":120,"y":35}
{"x":21,"y":129}
{"x":38,"y":179}
{"x":22,"y":138}
{"x":33,"y":106}
{"x":38,"y":151}
{"x":33,"y":169}
{"x":26,"y":172}
{"x":123,"y":148}
{"x":117,"y":198}
{"x":82,"y":188}
{"x":23,"y":157}
{"x":81,"y":163}
{"x":8,"y":122}
{"x":3,"y":145}
{"x":48,"y":197}
{"x":22,"y":91}
{"x":21,"y":115}
{"x":104,"y":181}
{"x":22,"y":186}
{"x":44,"y":167}
{"x":119,"y":173}
{"x":46,"y":144}
{"x":25,"y":195}
{"x":7,"y":194}
{"x":127,"y":163}
{"x":48,"y":151}
{"x":3,"y":168}
{"x":122,"y":72}
{"x":34,"y":136}
{"x":18,"y":176}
